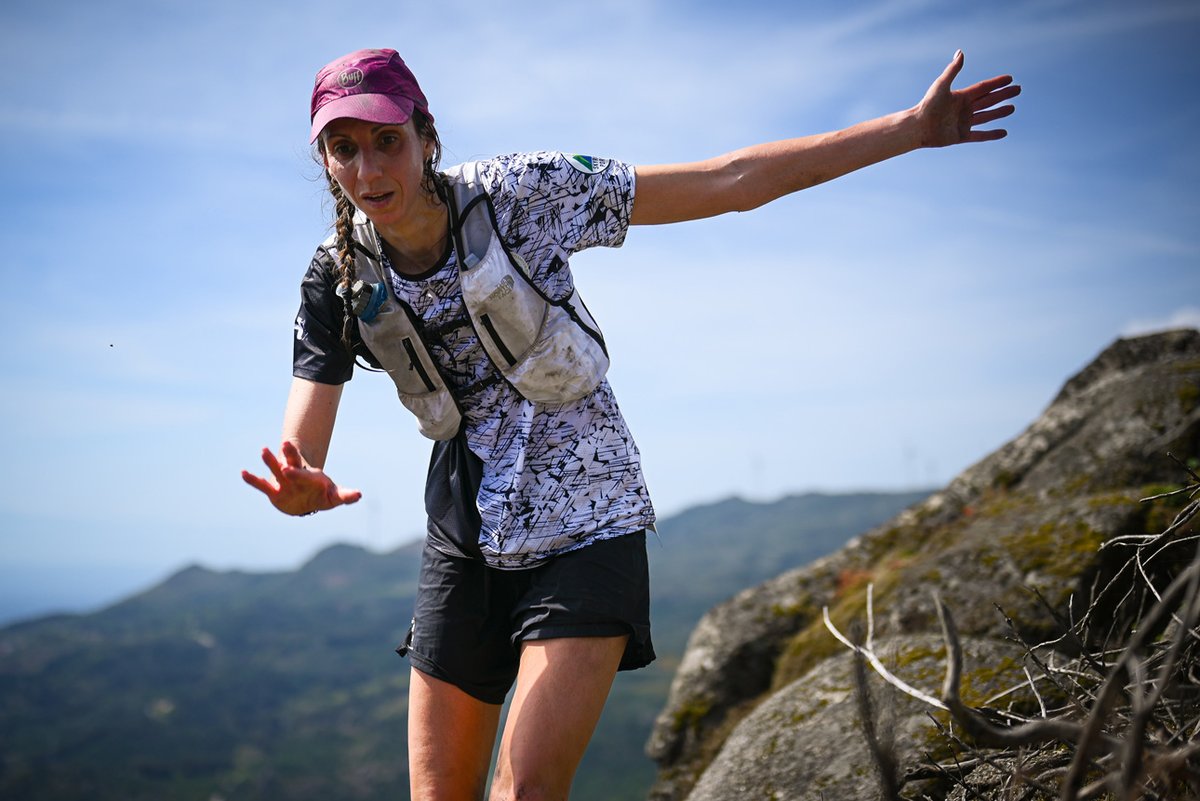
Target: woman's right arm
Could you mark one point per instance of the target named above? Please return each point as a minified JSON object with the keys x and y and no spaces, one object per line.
{"x":298,"y":484}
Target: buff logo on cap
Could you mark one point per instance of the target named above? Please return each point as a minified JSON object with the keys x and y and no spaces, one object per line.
{"x":588,"y":164}
{"x":350,"y":78}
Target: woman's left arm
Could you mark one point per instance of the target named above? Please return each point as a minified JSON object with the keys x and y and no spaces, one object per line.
{"x":746,"y":179}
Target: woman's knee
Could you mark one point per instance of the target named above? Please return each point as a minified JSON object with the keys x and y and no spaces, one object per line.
{"x":529,"y":789}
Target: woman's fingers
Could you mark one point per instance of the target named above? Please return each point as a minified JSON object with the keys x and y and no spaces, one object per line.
{"x":348,"y":495}
{"x":951,"y":72}
{"x":978,"y":90}
{"x":298,"y":489}
{"x":992,"y":98}
{"x":292,"y":454}
{"x":272,"y":463}
{"x":260,"y":484}
{"x":987,"y":136}
{"x":984,"y":117}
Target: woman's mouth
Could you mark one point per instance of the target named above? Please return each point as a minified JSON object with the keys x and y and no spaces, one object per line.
{"x":377,"y":198}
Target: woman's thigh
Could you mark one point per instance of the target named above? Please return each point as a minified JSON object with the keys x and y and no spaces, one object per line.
{"x":562,"y":685}
{"x":450,"y":739}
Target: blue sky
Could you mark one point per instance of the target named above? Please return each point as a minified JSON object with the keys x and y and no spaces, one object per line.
{"x":884,"y":331}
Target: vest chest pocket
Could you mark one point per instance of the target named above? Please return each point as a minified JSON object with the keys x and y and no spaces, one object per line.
{"x":507,"y":313}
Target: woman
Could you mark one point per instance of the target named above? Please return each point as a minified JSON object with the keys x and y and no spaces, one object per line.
{"x":534,"y":567}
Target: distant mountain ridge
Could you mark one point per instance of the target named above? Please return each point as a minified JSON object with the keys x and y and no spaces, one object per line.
{"x":235,"y":685}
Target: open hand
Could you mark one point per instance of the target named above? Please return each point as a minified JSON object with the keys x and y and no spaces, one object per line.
{"x":950,"y":116}
{"x":298,"y":489}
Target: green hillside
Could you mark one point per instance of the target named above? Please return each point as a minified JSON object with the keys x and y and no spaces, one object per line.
{"x":231,"y":685}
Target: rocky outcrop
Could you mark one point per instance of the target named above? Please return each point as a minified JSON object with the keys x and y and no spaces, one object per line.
{"x":758,"y":706}
{"x":818,"y":718}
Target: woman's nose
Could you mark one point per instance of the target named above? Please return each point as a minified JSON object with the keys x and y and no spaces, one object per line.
{"x":368,"y":164}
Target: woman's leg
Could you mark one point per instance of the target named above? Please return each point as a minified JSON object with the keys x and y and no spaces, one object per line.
{"x":450,"y":739}
{"x":561,"y":689}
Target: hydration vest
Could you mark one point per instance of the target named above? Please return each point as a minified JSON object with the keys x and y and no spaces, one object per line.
{"x":549,"y":349}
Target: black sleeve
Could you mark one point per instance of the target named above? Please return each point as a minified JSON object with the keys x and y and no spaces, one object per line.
{"x":318,"y":353}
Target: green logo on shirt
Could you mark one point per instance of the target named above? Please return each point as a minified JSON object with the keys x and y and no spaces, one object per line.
{"x":588,"y":164}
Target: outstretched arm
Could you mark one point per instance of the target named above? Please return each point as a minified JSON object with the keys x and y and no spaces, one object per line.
{"x":748,"y":178}
{"x":298,"y":484}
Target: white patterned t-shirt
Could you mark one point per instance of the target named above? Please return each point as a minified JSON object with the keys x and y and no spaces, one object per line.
{"x":556,"y":477}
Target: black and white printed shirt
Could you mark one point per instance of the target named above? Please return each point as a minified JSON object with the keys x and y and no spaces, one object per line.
{"x":556,"y":477}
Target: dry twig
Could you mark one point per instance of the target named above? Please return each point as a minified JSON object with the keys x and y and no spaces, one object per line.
{"x":1131,"y":721}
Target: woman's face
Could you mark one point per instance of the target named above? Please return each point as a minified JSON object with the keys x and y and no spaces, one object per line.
{"x":379,"y":167}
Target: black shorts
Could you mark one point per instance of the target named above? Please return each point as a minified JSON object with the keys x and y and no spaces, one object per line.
{"x":471,"y":619}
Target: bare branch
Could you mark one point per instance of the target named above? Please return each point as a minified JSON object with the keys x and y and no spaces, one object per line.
{"x":878,"y":666}
{"x":1123,"y":722}
{"x":1183,"y":464}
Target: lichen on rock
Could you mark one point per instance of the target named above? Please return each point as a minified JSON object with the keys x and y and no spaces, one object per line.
{"x":759,"y":706}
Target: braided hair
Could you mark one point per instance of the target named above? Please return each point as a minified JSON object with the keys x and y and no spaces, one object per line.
{"x":433,"y":183}
{"x":343,"y":222}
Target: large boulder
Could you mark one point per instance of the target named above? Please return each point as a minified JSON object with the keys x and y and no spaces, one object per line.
{"x":806,"y":742}
{"x":1020,"y":530}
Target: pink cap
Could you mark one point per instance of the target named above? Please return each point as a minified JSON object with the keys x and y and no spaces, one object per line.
{"x":371,"y":85}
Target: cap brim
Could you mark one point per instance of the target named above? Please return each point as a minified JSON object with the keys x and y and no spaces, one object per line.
{"x":385,"y":109}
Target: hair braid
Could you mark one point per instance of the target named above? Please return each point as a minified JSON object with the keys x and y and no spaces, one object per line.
{"x":344,"y":227}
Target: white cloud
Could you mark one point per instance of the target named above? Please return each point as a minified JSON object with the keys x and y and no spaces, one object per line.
{"x":1183,"y":317}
